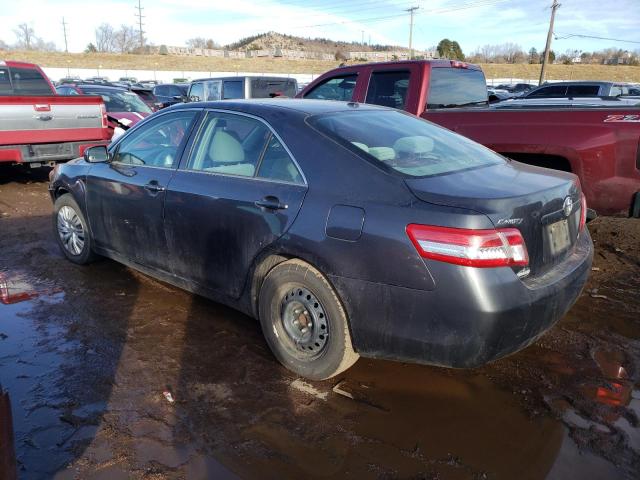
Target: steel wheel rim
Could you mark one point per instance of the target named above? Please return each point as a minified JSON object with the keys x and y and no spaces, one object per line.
{"x":70,"y":230}
{"x":304,"y":323}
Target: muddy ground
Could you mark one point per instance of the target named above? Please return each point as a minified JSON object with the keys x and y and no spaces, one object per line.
{"x":86,"y":362}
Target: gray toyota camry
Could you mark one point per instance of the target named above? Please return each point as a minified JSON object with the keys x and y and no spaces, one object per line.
{"x":348,"y":230}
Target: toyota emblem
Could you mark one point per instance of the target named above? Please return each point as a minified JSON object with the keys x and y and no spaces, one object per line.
{"x":567,"y":206}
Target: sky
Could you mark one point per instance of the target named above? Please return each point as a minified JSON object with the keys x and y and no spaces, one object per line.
{"x":472,"y":23}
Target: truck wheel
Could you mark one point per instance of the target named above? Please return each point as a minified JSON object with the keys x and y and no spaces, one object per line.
{"x":304,"y":322}
{"x":71,"y":230}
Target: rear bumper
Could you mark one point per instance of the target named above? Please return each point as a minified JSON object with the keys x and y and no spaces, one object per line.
{"x":44,"y":153}
{"x":472,"y":317}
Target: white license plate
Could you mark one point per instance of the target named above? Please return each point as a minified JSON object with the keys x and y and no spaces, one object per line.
{"x":558,"y":235}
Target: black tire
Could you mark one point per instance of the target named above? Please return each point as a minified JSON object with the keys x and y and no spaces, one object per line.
{"x":78,"y":245}
{"x":294,"y":291}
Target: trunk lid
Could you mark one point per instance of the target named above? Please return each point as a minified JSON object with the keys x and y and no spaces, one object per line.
{"x":543,"y":204}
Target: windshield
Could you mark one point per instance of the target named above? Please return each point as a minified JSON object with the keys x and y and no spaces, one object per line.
{"x":456,"y":87}
{"x":404,"y":143}
{"x":120,"y":101}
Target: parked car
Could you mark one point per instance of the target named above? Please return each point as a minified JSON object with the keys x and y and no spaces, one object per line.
{"x":128,"y":80}
{"x":348,"y":230}
{"x":124,"y":108}
{"x":146,"y":95}
{"x":496,"y":95}
{"x":39,"y":128}
{"x":226,"y":88}
{"x":99,"y":80}
{"x":168,"y":94}
{"x":516,"y":89}
{"x":579,"y":89}
{"x":599,"y":144}
{"x":545,"y":103}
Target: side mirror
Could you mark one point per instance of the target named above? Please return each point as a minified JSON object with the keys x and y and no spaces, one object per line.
{"x":98,"y":154}
{"x":180,"y":98}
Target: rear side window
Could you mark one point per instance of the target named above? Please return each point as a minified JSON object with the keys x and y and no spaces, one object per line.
{"x":28,"y":81}
{"x":548,"y":92}
{"x":161,"y":91}
{"x":616,"y":91}
{"x":583,"y":91}
{"x":276,"y":164}
{"x":388,"y":89}
{"x":404,"y":144}
{"x":456,"y":87}
{"x":336,"y":88}
{"x":232,"y":89}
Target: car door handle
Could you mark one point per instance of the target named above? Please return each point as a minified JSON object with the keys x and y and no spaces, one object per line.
{"x":271,"y":203}
{"x":154,"y":186}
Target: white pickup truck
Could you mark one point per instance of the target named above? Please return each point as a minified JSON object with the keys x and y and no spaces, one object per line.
{"x":39,"y":127}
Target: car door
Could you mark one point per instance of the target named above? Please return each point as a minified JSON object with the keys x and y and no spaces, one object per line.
{"x":237,"y":193}
{"x":125,"y":196}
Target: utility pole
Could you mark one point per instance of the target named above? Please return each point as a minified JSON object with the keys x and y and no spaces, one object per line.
{"x":411,"y":10}
{"x":547,"y":48}
{"x":140,"y":24}
{"x":64,"y":29}
{"x":362,"y":37}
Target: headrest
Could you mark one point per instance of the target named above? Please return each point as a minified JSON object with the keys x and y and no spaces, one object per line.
{"x":225,"y":149}
{"x":382,"y":153}
{"x":417,"y":144}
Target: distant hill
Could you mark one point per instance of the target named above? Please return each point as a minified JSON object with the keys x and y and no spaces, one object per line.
{"x":270,"y":40}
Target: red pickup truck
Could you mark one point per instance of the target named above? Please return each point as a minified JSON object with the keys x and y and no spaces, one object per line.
{"x":599,"y":144}
{"x":39,"y":127}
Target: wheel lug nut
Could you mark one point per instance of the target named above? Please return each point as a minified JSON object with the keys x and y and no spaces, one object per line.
{"x":296,"y":323}
{"x":304,"y":330}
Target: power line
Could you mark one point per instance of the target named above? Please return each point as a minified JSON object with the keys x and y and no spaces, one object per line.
{"x":572,"y":35}
{"x":140,"y":24}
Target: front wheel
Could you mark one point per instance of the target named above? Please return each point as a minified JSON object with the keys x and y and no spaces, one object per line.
{"x":304,"y":322}
{"x":71,"y":230}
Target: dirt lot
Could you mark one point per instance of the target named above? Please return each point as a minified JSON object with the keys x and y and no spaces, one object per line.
{"x":86,"y":362}
{"x":261,"y":65}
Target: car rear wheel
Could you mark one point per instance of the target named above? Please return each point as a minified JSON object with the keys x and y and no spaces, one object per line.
{"x":304,"y":322}
{"x":71,"y":230}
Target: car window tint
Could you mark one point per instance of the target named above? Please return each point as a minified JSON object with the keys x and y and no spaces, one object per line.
{"x":5,"y":83}
{"x":196,"y":92}
{"x":336,"y":88}
{"x":452,"y":87}
{"x":388,"y":89}
{"x":272,"y":87}
{"x":27,"y":81}
{"x":232,"y":89}
{"x":404,"y":144}
{"x":583,"y":90}
{"x":229,"y":144}
{"x":157,"y":142}
{"x":552,"y":91}
{"x":276,"y":163}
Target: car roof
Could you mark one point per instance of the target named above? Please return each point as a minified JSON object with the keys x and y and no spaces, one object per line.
{"x":97,"y":86}
{"x":308,"y":107}
{"x":578,"y":82}
{"x":238,"y":77}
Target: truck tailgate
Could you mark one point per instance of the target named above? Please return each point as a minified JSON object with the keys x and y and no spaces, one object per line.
{"x":51,"y":119}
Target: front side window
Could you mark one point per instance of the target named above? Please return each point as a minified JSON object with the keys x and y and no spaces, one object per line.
{"x":232,"y":89}
{"x":549,"y":92}
{"x":404,"y":144}
{"x":27,"y":81}
{"x":196,"y":92}
{"x":271,"y":87}
{"x":160,"y":91}
{"x":5,"y":83}
{"x":456,"y":87}
{"x":242,"y":146}
{"x":213,"y":91}
{"x":158,"y":142}
{"x":616,"y":91}
{"x":336,"y":88}
{"x":388,"y":89}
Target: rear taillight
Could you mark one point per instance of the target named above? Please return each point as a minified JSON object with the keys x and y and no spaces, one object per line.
{"x":501,"y":247}
{"x":583,"y":212}
{"x":103,"y":114}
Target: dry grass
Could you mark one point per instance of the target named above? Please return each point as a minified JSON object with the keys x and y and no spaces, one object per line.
{"x":263,"y":65}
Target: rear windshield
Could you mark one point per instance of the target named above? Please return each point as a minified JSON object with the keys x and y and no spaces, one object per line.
{"x":23,"y":81}
{"x":456,"y":87}
{"x":403,"y":143}
{"x":273,"y":87}
{"x":119,"y":101}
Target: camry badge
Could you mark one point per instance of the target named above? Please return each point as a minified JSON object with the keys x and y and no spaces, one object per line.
{"x":567,"y":207}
